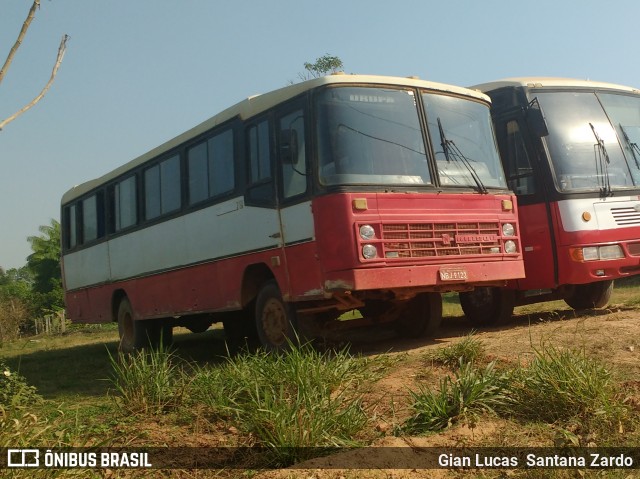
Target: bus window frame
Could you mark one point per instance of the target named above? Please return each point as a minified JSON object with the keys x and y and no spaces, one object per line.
{"x":271,"y":181}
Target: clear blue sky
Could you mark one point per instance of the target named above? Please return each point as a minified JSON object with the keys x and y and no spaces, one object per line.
{"x":138,"y":73}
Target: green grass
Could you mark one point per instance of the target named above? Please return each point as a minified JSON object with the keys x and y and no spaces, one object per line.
{"x":147,"y":382}
{"x":468,"y":350}
{"x":304,"y":398}
{"x":298,"y":399}
{"x":560,"y":387}
{"x":472,"y":391}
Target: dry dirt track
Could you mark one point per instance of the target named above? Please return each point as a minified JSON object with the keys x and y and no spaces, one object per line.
{"x":612,"y":335}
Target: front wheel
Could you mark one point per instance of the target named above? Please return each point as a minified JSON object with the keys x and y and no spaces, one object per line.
{"x":488,"y":306}
{"x":274,"y":319}
{"x":421,"y":316}
{"x":587,"y":296}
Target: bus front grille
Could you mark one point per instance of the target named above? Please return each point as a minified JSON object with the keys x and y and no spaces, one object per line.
{"x":419,"y":240}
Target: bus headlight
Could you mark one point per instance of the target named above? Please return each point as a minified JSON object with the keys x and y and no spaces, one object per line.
{"x":594,"y":253}
{"x":590,"y":253}
{"x":510,"y":247}
{"x":508,"y":229}
{"x":367,"y":232}
{"x":369,"y":251}
{"x":610,"y":252}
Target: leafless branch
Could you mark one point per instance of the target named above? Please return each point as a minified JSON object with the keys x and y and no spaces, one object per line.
{"x":61,"y":50}
{"x":16,"y":45}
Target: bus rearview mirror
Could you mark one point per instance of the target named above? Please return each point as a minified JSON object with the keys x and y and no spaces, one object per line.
{"x":535,"y":119}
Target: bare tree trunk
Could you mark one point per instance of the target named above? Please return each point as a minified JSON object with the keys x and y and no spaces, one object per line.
{"x":61,"y":51}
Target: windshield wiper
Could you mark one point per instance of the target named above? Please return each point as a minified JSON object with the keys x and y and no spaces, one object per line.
{"x":451,"y":151}
{"x":602,"y":162}
{"x":635,"y":150}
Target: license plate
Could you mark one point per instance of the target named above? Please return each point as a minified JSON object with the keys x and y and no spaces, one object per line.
{"x":453,"y":274}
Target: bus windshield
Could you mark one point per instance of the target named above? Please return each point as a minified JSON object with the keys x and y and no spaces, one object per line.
{"x":370,"y":136}
{"x":587,"y":138}
{"x":463,"y":142}
{"x":374,"y":136}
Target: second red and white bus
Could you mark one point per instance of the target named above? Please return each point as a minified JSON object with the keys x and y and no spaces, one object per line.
{"x":570,"y":152}
{"x":343,"y":192}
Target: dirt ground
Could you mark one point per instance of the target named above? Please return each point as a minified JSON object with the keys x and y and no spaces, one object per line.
{"x":613,"y":335}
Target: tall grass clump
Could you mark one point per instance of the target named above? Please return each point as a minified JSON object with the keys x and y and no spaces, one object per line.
{"x":468,"y":350}
{"x":148,"y":381}
{"x":563,"y":384}
{"x":470,"y":392}
{"x":290,"y":401}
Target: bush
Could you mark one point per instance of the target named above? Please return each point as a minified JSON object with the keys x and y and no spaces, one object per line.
{"x":14,"y":390}
{"x":14,"y":317}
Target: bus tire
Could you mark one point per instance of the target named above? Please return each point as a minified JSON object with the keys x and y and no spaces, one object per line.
{"x":130,"y":330}
{"x":588,"y":296}
{"x":488,"y":306}
{"x":421,"y":316}
{"x":274,"y":319}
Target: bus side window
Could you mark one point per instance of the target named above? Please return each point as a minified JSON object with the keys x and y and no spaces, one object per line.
{"x":520,"y":176}
{"x":70,"y":233}
{"x":221,"y":164}
{"x":124,"y":204}
{"x":261,"y":189}
{"x":292,"y":154}
{"x":211,"y":167}
{"x":92,"y":218}
{"x":162,"y":188}
{"x":89,"y":220}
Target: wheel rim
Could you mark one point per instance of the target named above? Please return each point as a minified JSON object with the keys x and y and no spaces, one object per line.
{"x":275,"y":322}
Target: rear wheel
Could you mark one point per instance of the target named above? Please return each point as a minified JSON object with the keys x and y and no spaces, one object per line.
{"x":487,"y":306}
{"x":421,"y":316}
{"x":587,"y":296}
{"x":128,"y":329}
{"x":135,"y":335}
{"x":274,"y":319}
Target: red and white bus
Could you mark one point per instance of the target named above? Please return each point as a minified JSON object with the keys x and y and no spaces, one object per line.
{"x":338,"y":193}
{"x":570,"y":152}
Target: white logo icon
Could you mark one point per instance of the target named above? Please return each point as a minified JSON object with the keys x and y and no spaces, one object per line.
{"x":23,"y":458}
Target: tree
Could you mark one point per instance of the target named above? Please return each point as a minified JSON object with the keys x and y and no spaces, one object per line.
{"x":323,"y":65}
{"x":44,"y":264}
{"x":12,"y":53}
{"x":16,"y":283}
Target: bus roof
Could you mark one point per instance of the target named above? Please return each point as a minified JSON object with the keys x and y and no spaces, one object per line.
{"x":256,"y":104}
{"x":550,"y":82}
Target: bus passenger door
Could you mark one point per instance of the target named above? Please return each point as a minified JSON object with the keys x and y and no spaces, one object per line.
{"x":524,"y":173}
{"x":294,"y":199}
